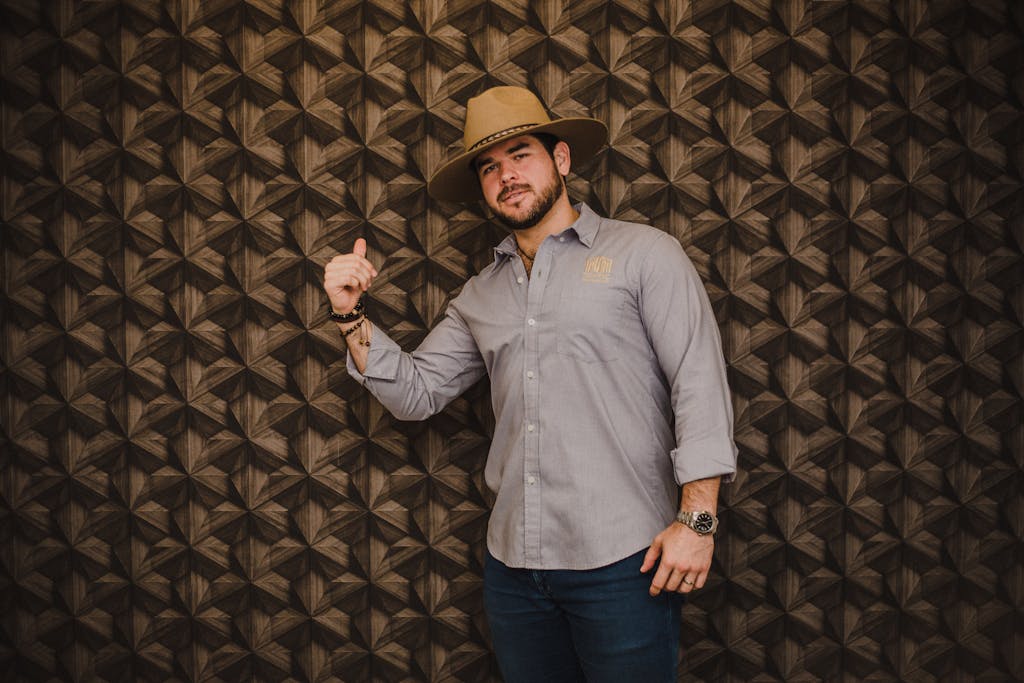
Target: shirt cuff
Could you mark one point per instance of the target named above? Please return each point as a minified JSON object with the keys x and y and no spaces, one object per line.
{"x":704,"y":459}
{"x":381,"y":361}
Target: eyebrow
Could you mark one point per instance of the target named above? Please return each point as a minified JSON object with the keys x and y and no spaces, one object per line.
{"x":483,"y":161}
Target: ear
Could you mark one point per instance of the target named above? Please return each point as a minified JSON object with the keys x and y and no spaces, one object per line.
{"x":562,"y":157}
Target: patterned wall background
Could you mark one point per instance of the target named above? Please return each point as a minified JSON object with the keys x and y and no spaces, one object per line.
{"x":192,"y":488}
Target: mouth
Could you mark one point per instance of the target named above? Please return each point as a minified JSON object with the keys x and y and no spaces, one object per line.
{"x":512,"y":195}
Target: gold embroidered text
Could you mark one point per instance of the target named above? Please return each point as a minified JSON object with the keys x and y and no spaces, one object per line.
{"x":597,"y":269}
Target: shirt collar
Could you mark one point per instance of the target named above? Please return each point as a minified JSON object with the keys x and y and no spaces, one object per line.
{"x":585,"y":227}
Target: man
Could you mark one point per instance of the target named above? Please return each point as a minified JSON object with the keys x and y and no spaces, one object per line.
{"x":609,"y":393}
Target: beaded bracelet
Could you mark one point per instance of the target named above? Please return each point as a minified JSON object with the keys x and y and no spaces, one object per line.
{"x":351,"y":315}
{"x":346,"y":333}
{"x":364,"y":339}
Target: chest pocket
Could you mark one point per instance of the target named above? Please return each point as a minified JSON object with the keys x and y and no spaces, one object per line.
{"x":591,"y":322}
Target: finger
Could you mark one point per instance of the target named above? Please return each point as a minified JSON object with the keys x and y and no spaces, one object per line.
{"x":341,"y":280}
{"x":343,"y":272}
{"x":686,"y":585}
{"x":660,"y":577}
{"x":676,"y":581}
{"x":364,"y":273}
{"x":347,"y":281}
{"x":701,"y":579}
{"x":651,"y":557}
{"x":349,"y":261}
{"x":360,"y":247}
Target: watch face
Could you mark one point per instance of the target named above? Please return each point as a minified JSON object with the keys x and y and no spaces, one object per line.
{"x":703,"y":523}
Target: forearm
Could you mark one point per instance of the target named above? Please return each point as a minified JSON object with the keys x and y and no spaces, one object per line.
{"x":700,"y":494}
{"x":357,"y":337}
{"x":414,"y":386}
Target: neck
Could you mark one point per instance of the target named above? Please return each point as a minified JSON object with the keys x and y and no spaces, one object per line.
{"x":560,"y":217}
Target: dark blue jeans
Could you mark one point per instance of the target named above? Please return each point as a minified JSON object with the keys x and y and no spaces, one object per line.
{"x":594,"y":625}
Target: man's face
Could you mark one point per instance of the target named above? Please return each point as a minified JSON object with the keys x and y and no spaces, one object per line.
{"x":520,"y":179}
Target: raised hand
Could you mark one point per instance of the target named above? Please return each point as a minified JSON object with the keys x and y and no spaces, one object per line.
{"x":347,"y":276}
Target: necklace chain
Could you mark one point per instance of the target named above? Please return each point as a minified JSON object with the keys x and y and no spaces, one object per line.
{"x":526,"y":256}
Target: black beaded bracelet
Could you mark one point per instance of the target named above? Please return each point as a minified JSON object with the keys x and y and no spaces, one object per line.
{"x":350,"y":316}
{"x":351,"y":330}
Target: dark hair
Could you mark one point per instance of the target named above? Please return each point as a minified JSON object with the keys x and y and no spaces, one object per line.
{"x":548,"y":140}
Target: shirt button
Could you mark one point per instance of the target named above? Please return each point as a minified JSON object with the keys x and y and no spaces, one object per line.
{"x":529,"y":374}
{"x":561,"y":239}
{"x":519,"y":279}
{"x":532,"y":481}
{"x":529,"y":428}
{"x":531,"y":322}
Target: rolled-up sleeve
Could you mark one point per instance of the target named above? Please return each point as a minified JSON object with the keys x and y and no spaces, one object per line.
{"x":414,"y":386}
{"x":684,"y":335}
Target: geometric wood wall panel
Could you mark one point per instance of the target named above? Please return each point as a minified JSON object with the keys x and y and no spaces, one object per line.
{"x":192,"y":488}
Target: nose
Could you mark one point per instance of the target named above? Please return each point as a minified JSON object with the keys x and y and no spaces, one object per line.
{"x":507,"y":173}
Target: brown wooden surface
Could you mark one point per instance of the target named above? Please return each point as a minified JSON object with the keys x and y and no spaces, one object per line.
{"x":192,"y":488}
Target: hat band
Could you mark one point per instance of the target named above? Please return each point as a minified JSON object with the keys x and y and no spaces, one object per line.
{"x":500,"y":134}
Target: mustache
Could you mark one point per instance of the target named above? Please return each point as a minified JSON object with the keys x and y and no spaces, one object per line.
{"x":503,"y":195}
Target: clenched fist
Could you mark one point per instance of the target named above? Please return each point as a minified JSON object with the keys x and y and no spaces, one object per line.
{"x":347,"y":276}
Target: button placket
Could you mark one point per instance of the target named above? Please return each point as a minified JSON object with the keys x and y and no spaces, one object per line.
{"x":531,"y":394}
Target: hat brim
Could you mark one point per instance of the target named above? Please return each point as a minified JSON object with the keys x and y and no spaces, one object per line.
{"x":456,"y":180}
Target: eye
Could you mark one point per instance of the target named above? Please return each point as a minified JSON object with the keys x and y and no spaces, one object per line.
{"x":484,"y":170}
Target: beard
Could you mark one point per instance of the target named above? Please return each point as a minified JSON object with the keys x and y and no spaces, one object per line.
{"x":546,"y":198}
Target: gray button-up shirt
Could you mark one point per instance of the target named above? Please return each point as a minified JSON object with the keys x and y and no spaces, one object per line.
{"x":607,"y":382}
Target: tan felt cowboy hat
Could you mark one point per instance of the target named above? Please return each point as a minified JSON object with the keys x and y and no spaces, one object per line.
{"x":504,"y":112}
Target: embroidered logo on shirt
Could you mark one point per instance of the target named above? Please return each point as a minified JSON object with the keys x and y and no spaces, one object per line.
{"x":597,"y":269}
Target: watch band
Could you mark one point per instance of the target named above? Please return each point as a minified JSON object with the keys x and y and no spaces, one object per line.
{"x":701,"y":521}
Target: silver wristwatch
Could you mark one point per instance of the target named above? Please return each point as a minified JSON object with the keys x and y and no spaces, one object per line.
{"x":701,"y":521}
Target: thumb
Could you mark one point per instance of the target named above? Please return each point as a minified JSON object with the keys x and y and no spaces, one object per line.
{"x":652,"y":556}
{"x":360,"y":247}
